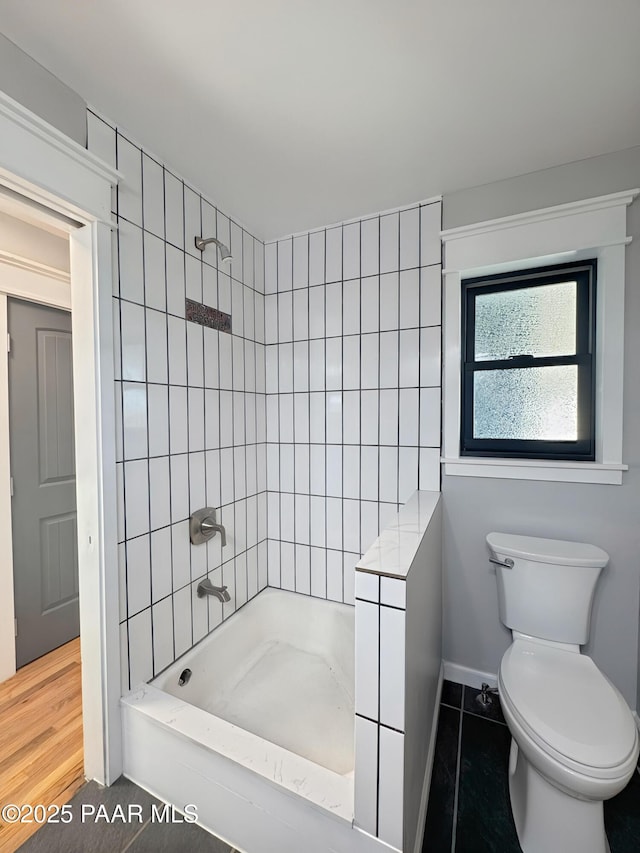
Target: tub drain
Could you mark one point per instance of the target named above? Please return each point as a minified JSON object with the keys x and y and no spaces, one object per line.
{"x":185,"y":675}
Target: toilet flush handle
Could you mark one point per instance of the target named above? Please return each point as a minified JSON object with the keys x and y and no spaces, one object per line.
{"x":506,"y":564}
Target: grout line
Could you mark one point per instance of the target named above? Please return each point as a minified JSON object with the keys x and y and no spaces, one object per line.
{"x":397,"y":377}
{"x":168,"y":416}
{"x":441,"y":342}
{"x":457,"y":786}
{"x":146,"y":400}
{"x":188,"y":370}
{"x":308,"y":431}
{"x":378,"y":723}
{"x":323,"y":392}
{"x":124,"y":467}
{"x":137,"y":835}
{"x":381,"y":725}
{"x":419,"y":342}
{"x":453,"y":707}
{"x":481,"y":717}
{"x":277,"y":453}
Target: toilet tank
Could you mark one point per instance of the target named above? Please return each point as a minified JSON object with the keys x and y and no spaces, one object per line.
{"x":548,"y":592}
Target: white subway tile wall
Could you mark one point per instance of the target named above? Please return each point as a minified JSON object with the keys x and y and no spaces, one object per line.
{"x":191,"y":409}
{"x":352,"y":332}
{"x":380,"y":705}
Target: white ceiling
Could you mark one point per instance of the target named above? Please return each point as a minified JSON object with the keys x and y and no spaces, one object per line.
{"x":297,"y":113}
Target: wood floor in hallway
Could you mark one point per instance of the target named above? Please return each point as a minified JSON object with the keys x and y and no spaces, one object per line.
{"x":41,"y":757}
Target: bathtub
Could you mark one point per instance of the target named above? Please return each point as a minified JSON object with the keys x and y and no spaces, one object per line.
{"x":282,"y":669}
{"x":260,"y":733}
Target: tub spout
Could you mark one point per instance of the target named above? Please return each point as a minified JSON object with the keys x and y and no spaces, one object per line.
{"x":205,"y":587}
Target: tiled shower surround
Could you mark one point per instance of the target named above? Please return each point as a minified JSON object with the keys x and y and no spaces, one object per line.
{"x":342,"y":426}
{"x":191,"y":408}
{"x":353,"y":330}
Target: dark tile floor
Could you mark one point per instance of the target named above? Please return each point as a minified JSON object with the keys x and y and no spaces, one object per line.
{"x":141,"y":832}
{"x":468,"y":811}
{"x":469,"y":807}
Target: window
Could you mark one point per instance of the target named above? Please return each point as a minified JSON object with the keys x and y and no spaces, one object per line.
{"x":528,"y":363}
{"x":576,"y":233}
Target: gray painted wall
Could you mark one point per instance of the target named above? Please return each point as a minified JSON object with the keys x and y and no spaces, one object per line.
{"x":608,"y":173}
{"x":608,"y":516}
{"x":29,"y":83}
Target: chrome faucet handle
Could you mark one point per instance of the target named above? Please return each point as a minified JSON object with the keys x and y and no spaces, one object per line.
{"x":203,"y":525}
{"x":210,"y":527}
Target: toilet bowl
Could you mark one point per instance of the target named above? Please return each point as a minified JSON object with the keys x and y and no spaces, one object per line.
{"x":570,"y":721}
{"x":574,"y":739}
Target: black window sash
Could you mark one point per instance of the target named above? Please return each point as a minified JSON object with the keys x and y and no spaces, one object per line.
{"x":584,"y":447}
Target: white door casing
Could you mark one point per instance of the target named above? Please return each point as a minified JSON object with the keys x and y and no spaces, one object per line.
{"x":48,"y":169}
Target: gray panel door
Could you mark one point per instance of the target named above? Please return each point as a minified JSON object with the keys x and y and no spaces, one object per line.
{"x":45,"y":552}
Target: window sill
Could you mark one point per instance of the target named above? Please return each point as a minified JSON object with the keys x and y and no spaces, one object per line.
{"x":536,"y":469}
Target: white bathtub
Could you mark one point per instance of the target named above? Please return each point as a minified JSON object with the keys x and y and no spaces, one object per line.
{"x":282,"y":668}
{"x":271,"y":692}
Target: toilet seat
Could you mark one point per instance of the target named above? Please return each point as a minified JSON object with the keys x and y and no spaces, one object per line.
{"x":566,"y":706}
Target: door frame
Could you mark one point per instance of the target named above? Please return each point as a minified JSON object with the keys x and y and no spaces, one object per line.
{"x":60,"y":178}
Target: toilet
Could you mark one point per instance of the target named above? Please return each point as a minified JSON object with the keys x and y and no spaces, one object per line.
{"x":574,"y":742}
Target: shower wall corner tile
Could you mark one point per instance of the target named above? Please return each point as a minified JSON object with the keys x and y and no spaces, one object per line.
{"x":153,"y":196}
{"x":409,"y":238}
{"x":285,"y":264}
{"x":271,"y":268}
{"x":301,"y":261}
{"x":259,"y":266}
{"x":430,"y":225}
{"x":129,"y":158}
{"x":174,"y":210}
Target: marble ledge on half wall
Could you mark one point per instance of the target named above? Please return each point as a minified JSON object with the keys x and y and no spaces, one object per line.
{"x":393,"y":552}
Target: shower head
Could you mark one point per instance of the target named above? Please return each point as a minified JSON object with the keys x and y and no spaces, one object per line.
{"x":225,"y":254}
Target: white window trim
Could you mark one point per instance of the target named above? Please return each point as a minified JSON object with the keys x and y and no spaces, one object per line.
{"x":593,"y":228}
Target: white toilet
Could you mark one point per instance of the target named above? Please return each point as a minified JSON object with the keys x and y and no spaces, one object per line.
{"x":574,"y":742}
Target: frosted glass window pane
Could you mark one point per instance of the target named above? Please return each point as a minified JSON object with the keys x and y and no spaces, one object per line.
{"x":538,"y":321}
{"x":529,"y":403}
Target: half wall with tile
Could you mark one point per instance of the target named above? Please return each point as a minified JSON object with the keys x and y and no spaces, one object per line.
{"x":398,"y":591}
{"x":352,"y":333}
{"x":190,"y":401}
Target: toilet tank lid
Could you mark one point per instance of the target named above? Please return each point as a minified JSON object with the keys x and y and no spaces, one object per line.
{"x":547,"y":550}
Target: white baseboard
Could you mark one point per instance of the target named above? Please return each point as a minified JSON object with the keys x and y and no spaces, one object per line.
{"x":426,"y":785}
{"x":468,"y":676}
